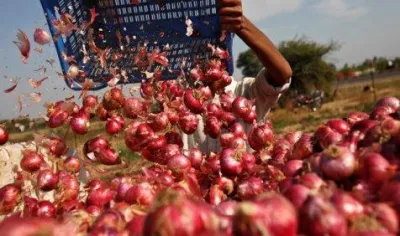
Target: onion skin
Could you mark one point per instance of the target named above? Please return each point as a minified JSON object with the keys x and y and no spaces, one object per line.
{"x":319,"y":217}
{"x":258,"y":217}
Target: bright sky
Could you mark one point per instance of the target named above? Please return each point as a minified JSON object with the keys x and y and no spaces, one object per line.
{"x":365,"y":28}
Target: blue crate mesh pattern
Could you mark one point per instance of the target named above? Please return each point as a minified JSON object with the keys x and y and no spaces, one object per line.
{"x":157,"y":24}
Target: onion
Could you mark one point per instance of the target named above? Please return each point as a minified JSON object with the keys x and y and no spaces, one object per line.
{"x":297,"y":194}
{"x":225,"y":184}
{"x":303,"y":148}
{"x":32,"y":161}
{"x":108,"y":156}
{"x":160,"y":122}
{"x":135,"y":226}
{"x":179,"y":165}
{"x":57,"y":118}
{"x":212,"y":163}
{"x":80,"y":123}
{"x":386,"y":216}
{"x":90,"y":101}
{"x":100,"y":196}
{"x":146,"y":89}
{"x":15,"y":226}
{"x":3,"y":135}
{"x":261,"y":136}
{"x":242,"y":107}
{"x":228,"y":119}
{"x":375,"y":169}
{"x":102,"y":113}
{"x":293,"y":137}
{"x":252,"y":117}
{"x":216,"y":195}
{"x":142,"y":194}
{"x":193,"y":101}
{"x":30,"y":206}
{"x":114,"y":124}
{"x":327,"y":137}
{"x":188,"y":122}
{"x":248,"y":162}
{"x":213,"y":74}
{"x":47,"y":180}
{"x":96,"y":144}
{"x":311,"y":180}
{"x":171,"y":217}
{"x":94,"y":210}
{"x":9,"y":198}
{"x":67,"y":189}
{"x":214,"y":110}
{"x":45,"y":209}
{"x":196,"y":158}
{"x":293,"y":168}
{"x":41,"y":37}
{"x":137,"y":136}
{"x":338,"y":163}
{"x":231,"y":162}
{"x":72,"y":164}
{"x":133,"y":107}
{"x":356,"y":116}
{"x":226,"y":100}
{"x":339,"y":125}
{"x":57,"y":146}
{"x":108,"y":223}
{"x":249,"y":188}
{"x":391,"y":102}
{"x":381,"y":112}
{"x":70,"y":206}
{"x":260,"y":217}
{"x":347,"y":205}
{"x":174,"y":138}
{"x":212,"y":127}
{"x":113,"y":99}
{"x":390,"y":193}
{"x":238,"y":130}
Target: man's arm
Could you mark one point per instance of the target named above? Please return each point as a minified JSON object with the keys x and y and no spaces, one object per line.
{"x":233,"y":20}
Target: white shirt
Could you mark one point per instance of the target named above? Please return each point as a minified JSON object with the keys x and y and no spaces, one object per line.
{"x":258,"y":88}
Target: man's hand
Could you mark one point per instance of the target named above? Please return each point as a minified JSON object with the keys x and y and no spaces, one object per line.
{"x":231,"y":15}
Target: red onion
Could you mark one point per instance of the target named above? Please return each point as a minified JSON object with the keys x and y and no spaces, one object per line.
{"x":146,"y":89}
{"x":311,"y":180}
{"x":212,"y":164}
{"x":391,"y":102}
{"x":137,"y":136}
{"x":80,"y":123}
{"x":226,"y":100}
{"x":327,"y":137}
{"x":110,"y":220}
{"x":216,"y":195}
{"x":94,"y":210}
{"x":46,"y":209}
{"x":292,"y":168}
{"x":179,"y":165}
{"x":174,"y":138}
{"x":41,"y":37}
{"x":347,"y":205}
{"x":252,"y":117}
{"x":57,"y":146}
{"x":108,"y":156}
{"x":228,"y":119}
{"x":297,"y":194}
{"x":375,"y":169}
{"x":96,"y":144}
{"x":214,"y":110}
{"x":3,"y":135}
{"x":142,"y":194}
{"x":70,"y":206}
{"x":193,"y":101}
{"x":339,"y":125}
{"x":15,"y":226}
{"x":114,"y":125}
{"x":381,"y":112}
{"x":32,"y":161}
{"x":259,"y":217}
{"x":30,"y":206}
{"x":293,"y":137}
{"x":249,"y":188}
{"x":213,"y":74}
{"x":231,"y":162}
{"x":242,"y":107}
{"x":356,"y":116}
{"x":390,"y":193}
{"x":72,"y":164}
{"x":188,"y":122}
{"x":225,"y":184}
{"x":102,"y":113}
{"x":338,"y":163}
{"x":47,"y":180}
{"x":67,"y":189}
{"x":261,"y":136}
{"x":90,"y":101}
{"x":212,"y":127}
{"x":9,"y":198}
{"x":387,"y":217}
{"x":160,"y":122}
{"x":196,"y":158}
{"x":170,"y":217}
{"x":303,"y":148}
{"x":100,"y":196}
{"x":133,"y":107}
{"x":135,"y":226}
{"x":113,"y":99}
{"x":319,"y":217}
{"x":238,"y":130}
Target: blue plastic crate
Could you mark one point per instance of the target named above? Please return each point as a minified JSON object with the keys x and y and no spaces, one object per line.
{"x":157,"y":22}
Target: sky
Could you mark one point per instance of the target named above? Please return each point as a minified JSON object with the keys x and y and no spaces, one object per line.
{"x":364,"y":28}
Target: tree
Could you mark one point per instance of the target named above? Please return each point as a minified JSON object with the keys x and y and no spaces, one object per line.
{"x":249,"y":63}
{"x":306,"y":57}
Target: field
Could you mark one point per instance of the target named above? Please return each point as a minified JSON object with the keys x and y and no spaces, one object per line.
{"x":350,"y":97}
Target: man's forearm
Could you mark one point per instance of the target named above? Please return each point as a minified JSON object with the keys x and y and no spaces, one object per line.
{"x":279,"y":71}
